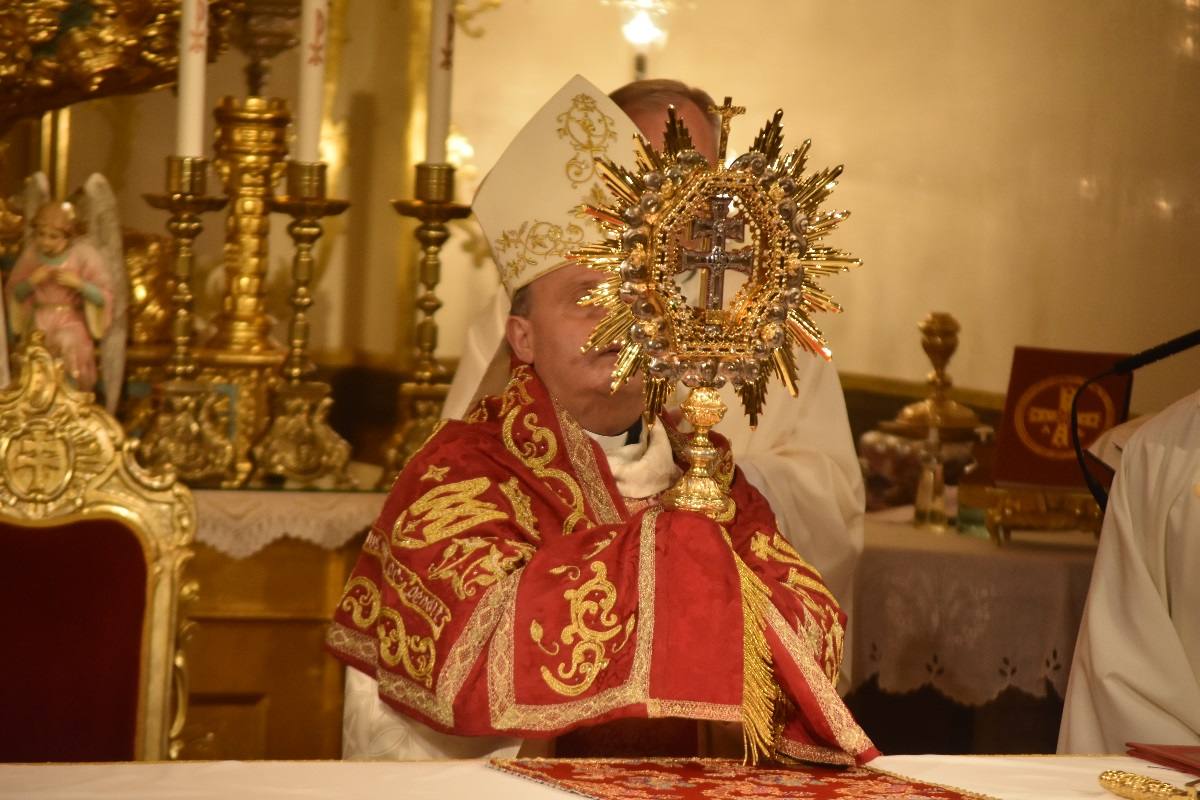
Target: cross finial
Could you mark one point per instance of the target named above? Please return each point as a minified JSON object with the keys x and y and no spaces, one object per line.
{"x":727,"y":112}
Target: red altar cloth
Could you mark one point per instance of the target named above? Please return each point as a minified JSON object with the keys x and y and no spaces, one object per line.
{"x":506,"y":588}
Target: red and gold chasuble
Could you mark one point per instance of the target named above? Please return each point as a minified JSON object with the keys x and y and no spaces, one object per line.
{"x":507,"y":589}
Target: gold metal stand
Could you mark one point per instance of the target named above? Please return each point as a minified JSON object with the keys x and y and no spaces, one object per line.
{"x":299,"y":445}
{"x":241,"y":360}
{"x":956,"y":422}
{"x":1132,"y":786}
{"x":697,"y":489}
{"x":188,"y":429}
{"x":422,"y":396}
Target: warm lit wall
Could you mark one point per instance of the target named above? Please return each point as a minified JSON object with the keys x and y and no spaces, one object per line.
{"x":1030,"y":166}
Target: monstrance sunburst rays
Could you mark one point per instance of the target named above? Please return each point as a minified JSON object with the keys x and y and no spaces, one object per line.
{"x":656,"y":214}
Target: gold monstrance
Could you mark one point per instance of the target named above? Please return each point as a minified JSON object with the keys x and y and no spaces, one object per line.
{"x":674,"y":213}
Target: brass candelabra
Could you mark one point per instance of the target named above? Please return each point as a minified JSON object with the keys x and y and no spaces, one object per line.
{"x":422,"y":395}
{"x":188,"y":427}
{"x":299,"y":445}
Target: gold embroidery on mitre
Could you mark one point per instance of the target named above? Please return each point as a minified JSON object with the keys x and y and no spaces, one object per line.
{"x":444,"y":511}
{"x":396,"y":646}
{"x":590,"y":603}
{"x":522,"y":508}
{"x":590,"y":131}
{"x":534,"y":240}
{"x":478,"y":561}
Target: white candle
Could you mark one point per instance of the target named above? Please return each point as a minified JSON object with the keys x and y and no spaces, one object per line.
{"x":193,"y":60}
{"x":441,"y":63}
{"x":314,"y":35}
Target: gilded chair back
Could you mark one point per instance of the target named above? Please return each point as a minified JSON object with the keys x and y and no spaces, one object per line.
{"x":92,"y":550}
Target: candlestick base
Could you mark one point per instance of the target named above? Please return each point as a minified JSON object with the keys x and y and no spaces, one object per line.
{"x":189,"y":434}
{"x":299,"y":445}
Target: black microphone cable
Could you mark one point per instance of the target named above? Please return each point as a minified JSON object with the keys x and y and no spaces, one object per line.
{"x":1124,"y":366}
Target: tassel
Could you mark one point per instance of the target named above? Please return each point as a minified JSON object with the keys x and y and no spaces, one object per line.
{"x":760,"y":692}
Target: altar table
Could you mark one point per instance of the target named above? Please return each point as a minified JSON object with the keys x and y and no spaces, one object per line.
{"x":1001,"y":777}
{"x":967,"y":619}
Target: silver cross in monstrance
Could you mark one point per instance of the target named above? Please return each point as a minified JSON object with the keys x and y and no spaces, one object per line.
{"x":718,"y":229}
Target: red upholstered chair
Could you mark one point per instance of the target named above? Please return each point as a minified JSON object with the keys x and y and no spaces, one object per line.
{"x":91,"y":554}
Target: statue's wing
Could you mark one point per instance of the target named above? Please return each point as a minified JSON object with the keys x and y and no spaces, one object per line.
{"x":98,"y":206}
{"x":36,"y":195}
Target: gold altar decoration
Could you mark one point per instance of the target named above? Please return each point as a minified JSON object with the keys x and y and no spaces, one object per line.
{"x":64,"y":459}
{"x":657,"y":212}
{"x":187,"y":428}
{"x":955,"y":421}
{"x":1031,"y":508}
{"x":240,"y":361}
{"x":299,"y":444}
{"x":54,"y":53}
{"x":1132,"y":786}
{"x":422,"y":395}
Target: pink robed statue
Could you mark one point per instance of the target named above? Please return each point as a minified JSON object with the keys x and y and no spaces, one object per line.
{"x":68,"y":283}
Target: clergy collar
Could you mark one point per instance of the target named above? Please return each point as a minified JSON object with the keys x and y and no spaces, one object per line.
{"x":634,"y":437}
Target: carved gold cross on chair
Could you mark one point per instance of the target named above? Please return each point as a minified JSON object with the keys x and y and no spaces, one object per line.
{"x":717,"y":230}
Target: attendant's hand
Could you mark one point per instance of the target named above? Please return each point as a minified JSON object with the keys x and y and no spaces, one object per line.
{"x":39,"y":275}
{"x":69,"y":279}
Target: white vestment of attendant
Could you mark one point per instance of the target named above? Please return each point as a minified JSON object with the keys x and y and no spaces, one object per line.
{"x":1136,"y":672}
{"x":801,"y":457}
{"x":374,"y":731}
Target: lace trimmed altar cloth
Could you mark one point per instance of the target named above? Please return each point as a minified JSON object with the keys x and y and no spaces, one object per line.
{"x":240,"y":522}
{"x":967,"y":617}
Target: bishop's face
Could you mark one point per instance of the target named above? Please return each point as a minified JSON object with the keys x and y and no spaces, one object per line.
{"x":551,"y":338}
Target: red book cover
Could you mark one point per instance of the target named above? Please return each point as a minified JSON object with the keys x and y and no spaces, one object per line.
{"x":1033,"y":445}
{"x":1183,"y":757}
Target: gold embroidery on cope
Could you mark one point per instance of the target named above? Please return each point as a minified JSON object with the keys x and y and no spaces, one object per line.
{"x":590,"y":604}
{"x":590,"y":131}
{"x":538,"y":449}
{"x":507,"y":714}
{"x":396,"y":646}
{"x":583,"y":461}
{"x":361,"y":601}
{"x":435,"y":474}
{"x":445,"y":511}
{"x":522,"y":508}
{"x":478,"y":561}
{"x":415,"y":595}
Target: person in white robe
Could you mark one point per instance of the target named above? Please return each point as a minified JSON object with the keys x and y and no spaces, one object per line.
{"x":1136,"y":670}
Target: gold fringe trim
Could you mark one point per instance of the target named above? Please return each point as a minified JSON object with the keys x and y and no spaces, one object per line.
{"x":760,"y":692}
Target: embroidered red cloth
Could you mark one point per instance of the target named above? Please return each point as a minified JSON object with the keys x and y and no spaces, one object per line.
{"x":719,"y":779}
{"x":507,"y":589}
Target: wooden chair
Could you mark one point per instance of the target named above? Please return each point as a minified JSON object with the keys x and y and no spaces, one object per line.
{"x":92,"y":550}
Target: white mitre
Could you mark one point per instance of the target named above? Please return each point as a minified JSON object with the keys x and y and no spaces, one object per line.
{"x":529,"y":209}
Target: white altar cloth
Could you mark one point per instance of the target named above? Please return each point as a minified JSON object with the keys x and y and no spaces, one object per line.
{"x":1002,"y":777}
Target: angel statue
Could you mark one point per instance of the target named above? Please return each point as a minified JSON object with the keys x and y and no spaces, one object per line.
{"x":69,"y":282}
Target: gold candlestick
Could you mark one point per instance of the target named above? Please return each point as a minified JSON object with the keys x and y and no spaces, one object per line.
{"x":422,"y":396}
{"x":299,"y":444}
{"x":187,"y":428}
